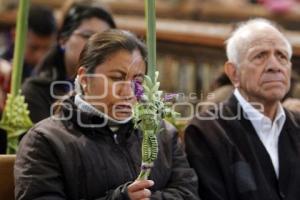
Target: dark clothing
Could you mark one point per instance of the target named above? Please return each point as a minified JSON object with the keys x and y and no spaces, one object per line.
{"x":232,"y":162}
{"x":37,"y":90}
{"x":3,"y":141}
{"x":38,"y":96}
{"x":60,"y":159}
{"x":27,"y":68}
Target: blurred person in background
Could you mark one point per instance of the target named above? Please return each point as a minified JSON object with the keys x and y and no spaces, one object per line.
{"x":279,"y":6}
{"x":80,"y":22}
{"x":40,"y":38}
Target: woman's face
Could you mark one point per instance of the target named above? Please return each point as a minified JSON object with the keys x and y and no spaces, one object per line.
{"x":75,"y":43}
{"x":110,"y":88}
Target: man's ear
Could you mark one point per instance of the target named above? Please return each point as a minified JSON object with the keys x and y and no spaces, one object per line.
{"x":232,"y":72}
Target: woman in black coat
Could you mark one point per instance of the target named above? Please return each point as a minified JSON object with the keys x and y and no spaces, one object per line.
{"x":90,"y":149}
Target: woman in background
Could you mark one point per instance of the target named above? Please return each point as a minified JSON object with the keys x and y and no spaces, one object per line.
{"x":57,"y":71}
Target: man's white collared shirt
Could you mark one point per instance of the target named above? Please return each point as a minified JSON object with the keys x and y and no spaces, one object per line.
{"x":267,"y":131}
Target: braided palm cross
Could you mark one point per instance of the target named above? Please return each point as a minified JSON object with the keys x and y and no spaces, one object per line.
{"x":148,"y":114}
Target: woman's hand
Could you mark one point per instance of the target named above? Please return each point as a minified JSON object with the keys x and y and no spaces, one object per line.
{"x":138,"y":190}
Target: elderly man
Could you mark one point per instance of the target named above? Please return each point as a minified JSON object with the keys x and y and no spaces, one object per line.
{"x":249,"y":147}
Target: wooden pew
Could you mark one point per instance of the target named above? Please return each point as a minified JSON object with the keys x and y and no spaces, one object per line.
{"x":201,"y":43}
{"x":191,"y":48}
{"x":227,"y":12}
{"x":7,"y":177}
{"x":208,"y":11}
{"x":186,"y":31}
{"x":191,"y":32}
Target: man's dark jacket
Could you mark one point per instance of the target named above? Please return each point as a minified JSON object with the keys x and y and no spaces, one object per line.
{"x":233,"y":164}
{"x":64,"y":159}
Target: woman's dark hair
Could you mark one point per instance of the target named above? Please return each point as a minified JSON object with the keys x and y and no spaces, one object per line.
{"x":101,"y":45}
{"x":53,"y":64}
{"x":79,"y":12}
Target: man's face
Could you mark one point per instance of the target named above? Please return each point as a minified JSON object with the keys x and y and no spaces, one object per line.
{"x":265,"y":68}
{"x":36,"y":47}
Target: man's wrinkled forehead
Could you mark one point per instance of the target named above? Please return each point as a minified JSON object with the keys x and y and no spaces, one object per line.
{"x":259,"y":38}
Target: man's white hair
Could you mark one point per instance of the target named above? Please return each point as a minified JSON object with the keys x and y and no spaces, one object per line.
{"x":239,"y":38}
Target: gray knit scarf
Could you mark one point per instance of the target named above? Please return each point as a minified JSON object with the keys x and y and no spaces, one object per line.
{"x":88,"y":108}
